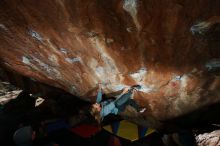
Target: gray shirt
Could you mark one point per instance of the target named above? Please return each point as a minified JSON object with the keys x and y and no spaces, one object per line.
{"x":23,"y":136}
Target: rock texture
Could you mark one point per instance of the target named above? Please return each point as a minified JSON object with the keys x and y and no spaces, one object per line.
{"x":170,"y":47}
{"x":209,"y":139}
{"x":7,"y":92}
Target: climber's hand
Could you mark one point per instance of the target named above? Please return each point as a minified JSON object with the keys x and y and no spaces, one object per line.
{"x":125,"y":90}
{"x":99,"y":85}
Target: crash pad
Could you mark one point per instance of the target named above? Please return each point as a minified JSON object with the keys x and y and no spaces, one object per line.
{"x":128,"y":130}
{"x":85,"y":130}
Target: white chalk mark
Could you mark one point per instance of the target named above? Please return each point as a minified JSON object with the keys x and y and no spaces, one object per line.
{"x":109,"y":66}
{"x":91,"y":34}
{"x":178,"y":78}
{"x":73,"y":89}
{"x":142,"y":110}
{"x":200,"y":28}
{"x":31,"y":61}
{"x":73,"y":60}
{"x":25,"y":60}
{"x":145,"y":89}
{"x":130,"y":6}
{"x":109,"y":40}
{"x":53,"y":59}
{"x":184,"y":80}
{"x":2,"y":26}
{"x":139,"y":75}
{"x":118,"y":87}
{"x":100,"y":72}
{"x":63,"y":50}
{"x":129,"y":29}
{"x":50,"y":70}
{"x":35,"y":35}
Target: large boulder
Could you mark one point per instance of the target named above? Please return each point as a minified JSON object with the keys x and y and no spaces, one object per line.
{"x":170,"y":48}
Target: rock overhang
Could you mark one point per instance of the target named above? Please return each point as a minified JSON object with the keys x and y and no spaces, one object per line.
{"x":164,"y":46}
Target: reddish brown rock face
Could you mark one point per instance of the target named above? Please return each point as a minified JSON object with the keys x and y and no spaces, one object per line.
{"x":170,"y":47}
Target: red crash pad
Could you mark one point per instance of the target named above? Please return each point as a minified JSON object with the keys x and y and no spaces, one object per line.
{"x":85,"y":130}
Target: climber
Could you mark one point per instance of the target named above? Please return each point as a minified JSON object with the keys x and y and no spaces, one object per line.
{"x":100,"y":109}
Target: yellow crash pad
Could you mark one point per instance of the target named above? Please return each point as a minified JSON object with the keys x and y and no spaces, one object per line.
{"x":128,"y":130}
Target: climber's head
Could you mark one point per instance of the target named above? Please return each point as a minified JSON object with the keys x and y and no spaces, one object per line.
{"x":95,"y":111}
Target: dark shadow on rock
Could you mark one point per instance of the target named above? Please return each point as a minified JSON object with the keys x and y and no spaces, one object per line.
{"x":199,"y":120}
